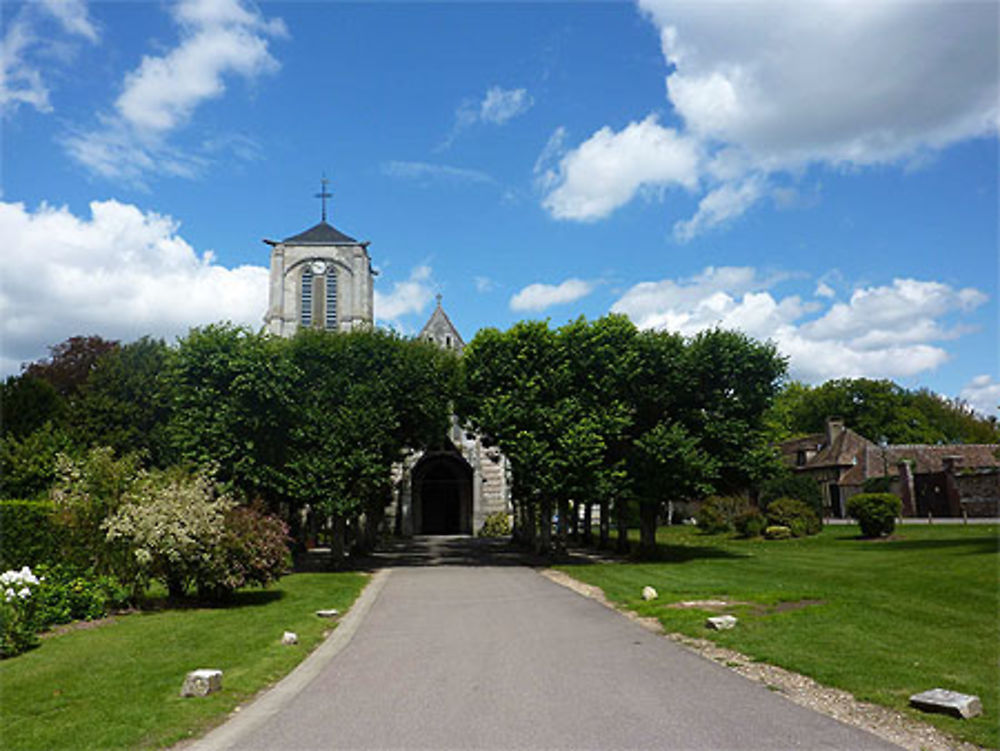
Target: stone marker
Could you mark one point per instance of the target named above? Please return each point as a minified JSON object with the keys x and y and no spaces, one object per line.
{"x":947,"y":702}
{"x":331,"y":613}
{"x":648,"y":593}
{"x":202,"y":682}
{"x":721,"y":622}
{"x":289,"y":637}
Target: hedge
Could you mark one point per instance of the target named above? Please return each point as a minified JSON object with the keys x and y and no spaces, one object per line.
{"x":27,"y":534}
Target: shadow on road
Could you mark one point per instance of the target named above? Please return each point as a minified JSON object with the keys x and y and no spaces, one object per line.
{"x":462,"y":550}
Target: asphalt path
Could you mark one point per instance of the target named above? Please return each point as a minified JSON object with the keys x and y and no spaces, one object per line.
{"x":482,"y":653}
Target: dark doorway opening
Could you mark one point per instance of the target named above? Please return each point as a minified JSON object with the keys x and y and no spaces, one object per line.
{"x":443,"y":487}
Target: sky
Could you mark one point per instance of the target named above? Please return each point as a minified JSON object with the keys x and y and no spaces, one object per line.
{"x":820,"y":174}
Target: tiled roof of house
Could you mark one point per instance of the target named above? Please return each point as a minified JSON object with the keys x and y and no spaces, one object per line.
{"x":927,"y":458}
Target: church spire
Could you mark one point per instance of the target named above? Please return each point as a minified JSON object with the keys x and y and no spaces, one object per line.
{"x":324,"y":194}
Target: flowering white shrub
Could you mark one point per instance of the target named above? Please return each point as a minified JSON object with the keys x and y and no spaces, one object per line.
{"x":171,"y":524}
{"x":17,"y":611}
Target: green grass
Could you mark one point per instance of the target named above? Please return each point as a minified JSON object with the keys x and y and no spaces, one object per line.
{"x":117,"y":685}
{"x":919,"y":611}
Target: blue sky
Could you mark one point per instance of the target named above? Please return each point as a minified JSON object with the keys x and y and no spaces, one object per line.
{"x":822,"y":174}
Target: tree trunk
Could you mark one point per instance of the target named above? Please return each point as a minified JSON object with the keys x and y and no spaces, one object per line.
{"x":544,"y":542}
{"x":621,"y":506}
{"x":588,"y":520}
{"x":515,"y":531}
{"x":647,"y":530}
{"x":574,"y":521}
{"x":337,"y":543}
{"x":605,"y":534}
{"x":563,"y":527}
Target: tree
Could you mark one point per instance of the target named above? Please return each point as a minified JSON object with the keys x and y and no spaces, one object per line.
{"x":28,"y":402}
{"x":70,"y":363}
{"x":125,"y":401}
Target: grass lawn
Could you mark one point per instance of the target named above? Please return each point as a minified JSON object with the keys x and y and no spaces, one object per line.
{"x":117,"y":685}
{"x":893,"y":617}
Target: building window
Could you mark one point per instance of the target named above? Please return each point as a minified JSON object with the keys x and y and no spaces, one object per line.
{"x":447,"y":342}
{"x":800,"y":459}
{"x":306,"y":298}
{"x":331,"y":299}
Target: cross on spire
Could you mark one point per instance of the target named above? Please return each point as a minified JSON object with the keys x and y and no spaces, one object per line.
{"x":323,"y":194}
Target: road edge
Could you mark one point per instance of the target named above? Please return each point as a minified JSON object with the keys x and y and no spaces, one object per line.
{"x":273,"y":700}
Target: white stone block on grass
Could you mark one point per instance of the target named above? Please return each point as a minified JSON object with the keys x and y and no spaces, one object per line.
{"x":289,"y":637}
{"x":202,"y":682}
{"x":648,"y":593}
{"x":944,"y":701}
{"x":721,"y":622}
{"x":329,"y":613}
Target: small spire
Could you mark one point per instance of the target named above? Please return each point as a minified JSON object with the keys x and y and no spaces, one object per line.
{"x":438,"y":297}
{"x":323,"y":194}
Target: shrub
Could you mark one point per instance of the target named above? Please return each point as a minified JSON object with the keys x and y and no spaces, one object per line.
{"x":794,"y":514}
{"x":18,"y":625}
{"x":495,"y":525}
{"x":28,"y":463}
{"x":790,"y":485}
{"x":67,"y":594}
{"x":750,"y":523}
{"x":27,"y":533}
{"x":718,"y":513}
{"x":87,"y":492}
{"x":253,"y":550}
{"x":875,"y":512}
{"x":176,"y":530}
{"x":777,"y":532}
{"x":169,"y":528}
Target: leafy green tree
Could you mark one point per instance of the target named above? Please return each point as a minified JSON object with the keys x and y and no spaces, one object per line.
{"x":27,"y":403}
{"x":28,"y":466}
{"x":879,"y":409}
{"x":232,"y":396}
{"x":125,"y":402}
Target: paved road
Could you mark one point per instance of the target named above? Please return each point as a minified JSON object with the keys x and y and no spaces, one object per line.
{"x":470,"y":655}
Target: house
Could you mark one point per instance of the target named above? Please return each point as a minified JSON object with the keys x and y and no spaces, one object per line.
{"x":940,"y":480}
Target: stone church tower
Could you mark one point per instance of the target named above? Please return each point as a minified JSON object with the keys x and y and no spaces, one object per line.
{"x":322,"y":278}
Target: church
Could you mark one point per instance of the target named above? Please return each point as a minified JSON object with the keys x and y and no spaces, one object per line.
{"x":323,"y":278}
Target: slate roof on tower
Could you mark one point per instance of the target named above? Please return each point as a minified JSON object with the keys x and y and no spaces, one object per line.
{"x":321,"y":234}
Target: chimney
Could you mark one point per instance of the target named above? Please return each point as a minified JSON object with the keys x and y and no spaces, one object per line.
{"x":834,"y":427}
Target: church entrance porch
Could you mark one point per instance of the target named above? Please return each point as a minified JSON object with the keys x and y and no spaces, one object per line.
{"x":442,"y":495}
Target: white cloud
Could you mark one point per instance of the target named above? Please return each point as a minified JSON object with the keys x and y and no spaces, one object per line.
{"x":219,"y":39}
{"x":770,"y":87}
{"x":790,"y":83}
{"x":537,"y":297}
{"x":726,"y":202}
{"x":824,"y":290}
{"x":120,"y":273}
{"x":983,"y":395}
{"x":484,"y":284}
{"x":889,"y":331}
{"x":427,"y":172}
{"x":500,"y":105}
{"x":497,"y":107}
{"x":410,"y":296}
{"x":606,"y":171}
{"x":24,"y":48}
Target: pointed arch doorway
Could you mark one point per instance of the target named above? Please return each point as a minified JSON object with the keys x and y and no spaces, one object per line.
{"x":442,"y":495}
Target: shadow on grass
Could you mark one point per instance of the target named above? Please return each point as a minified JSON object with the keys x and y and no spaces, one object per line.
{"x":246,"y":598}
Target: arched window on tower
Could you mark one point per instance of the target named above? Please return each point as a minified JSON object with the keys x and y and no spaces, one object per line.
{"x":331,"y":298}
{"x":306,"y":298}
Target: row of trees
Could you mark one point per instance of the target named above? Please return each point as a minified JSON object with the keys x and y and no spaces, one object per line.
{"x":600,"y":414}
{"x":317,"y":420}
{"x":593,"y":415}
